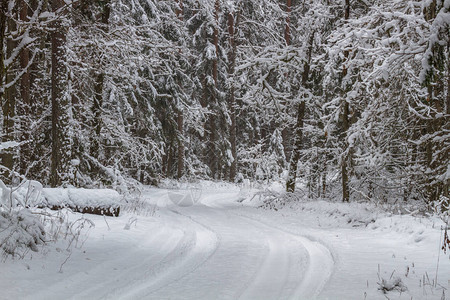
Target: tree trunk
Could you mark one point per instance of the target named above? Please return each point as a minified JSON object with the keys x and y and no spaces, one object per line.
{"x":25,"y":87}
{"x":435,"y":89}
{"x":290,"y":183}
{"x":295,"y":157}
{"x":447,"y":181}
{"x":345,"y":120}
{"x":324,"y":182}
{"x":180,"y":162}
{"x":212,"y":118}
{"x":287,"y":29}
{"x":170,"y":155}
{"x":59,"y":101}
{"x":180,"y":117}
{"x":287,"y":38}
{"x":448,"y":79}
{"x":212,"y":148}
{"x":9,"y":103}
{"x":24,"y":60}
{"x":232,"y":99}
{"x":344,"y":171}
{"x":3,"y":11}
{"x":97,"y":112}
{"x":216,"y":41}
{"x":98,"y":91}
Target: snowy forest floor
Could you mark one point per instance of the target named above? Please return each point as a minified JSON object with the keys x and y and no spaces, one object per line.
{"x":228,"y":247}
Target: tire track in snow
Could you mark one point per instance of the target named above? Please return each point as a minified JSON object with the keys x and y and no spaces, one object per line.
{"x":267,"y":262}
{"x":228,"y":269}
{"x":271,"y":278}
{"x":80,"y":285}
{"x":318,"y":271}
{"x":279,"y":265}
{"x":149,"y":270}
{"x":178,"y":264}
{"x":213,"y":241}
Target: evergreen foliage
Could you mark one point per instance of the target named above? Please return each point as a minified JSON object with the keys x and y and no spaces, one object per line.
{"x":346,"y":97}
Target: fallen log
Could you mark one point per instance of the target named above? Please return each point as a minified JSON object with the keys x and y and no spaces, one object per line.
{"x":87,"y":201}
{"x":103,"y":211}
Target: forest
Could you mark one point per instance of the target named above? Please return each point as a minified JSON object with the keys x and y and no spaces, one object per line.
{"x":350,"y":97}
{"x":224,"y":149}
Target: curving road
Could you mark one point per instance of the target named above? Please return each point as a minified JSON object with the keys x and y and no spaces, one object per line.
{"x":202,"y":252}
{"x":235,"y":257}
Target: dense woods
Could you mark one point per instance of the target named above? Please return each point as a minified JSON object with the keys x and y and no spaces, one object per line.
{"x":349,"y":98}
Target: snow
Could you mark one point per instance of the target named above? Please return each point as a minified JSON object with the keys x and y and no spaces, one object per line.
{"x":226,"y":247}
{"x":75,"y":162}
{"x":7,"y":145}
{"x":211,"y":51}
{"x":78,"y":197}
{"x":47,"y":15}
{"x":184,"y":198}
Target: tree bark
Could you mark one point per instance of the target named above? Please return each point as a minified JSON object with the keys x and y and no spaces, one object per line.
{"x":3,"y":11}
{"x":216,"y":41}
{"x":434,"y":88}
{"x":212,"y":118}
{"x":290,"y":183}
{"x":25,"y":87}
{"x":180,"y":162}
{"x":447,"y":181}
{"x":180,"y":117}
{"x":287,"y":38}
{"x":295,"y":157}
{"x":232,"y":99}
{"x":97,"y":112}
{"x":429,"y":150}
{"x":58,"y":78}
{"x":24,"y":60}
{"x":9,"y":103}
{"x":324,"y":182}
{"x":287,"y":29}
{"x":98,"y":90}
{"x":448,"y":79}
{"x":3,"y":19}
{"x":345,"y":120}
{"x":344,"y":171}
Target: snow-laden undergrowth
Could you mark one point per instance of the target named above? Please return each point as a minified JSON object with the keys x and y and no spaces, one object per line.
{"x":26,"y":222}
{"x":19,"y":231}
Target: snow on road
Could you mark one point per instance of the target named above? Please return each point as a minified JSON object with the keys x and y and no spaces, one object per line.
{"x":281,"y":260}
{"x":215,"y":250}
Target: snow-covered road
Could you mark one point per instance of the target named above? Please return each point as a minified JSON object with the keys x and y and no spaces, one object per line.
{"x":220,"y":255}
{"x":220,"y":250}
{"x":201,"y":252}
{"x":234,"y":257}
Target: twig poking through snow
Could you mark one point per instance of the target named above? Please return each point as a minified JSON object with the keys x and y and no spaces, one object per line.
{"x":130,"y":222}
{"x":109,"y":228}
{"x":67,"y":258}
